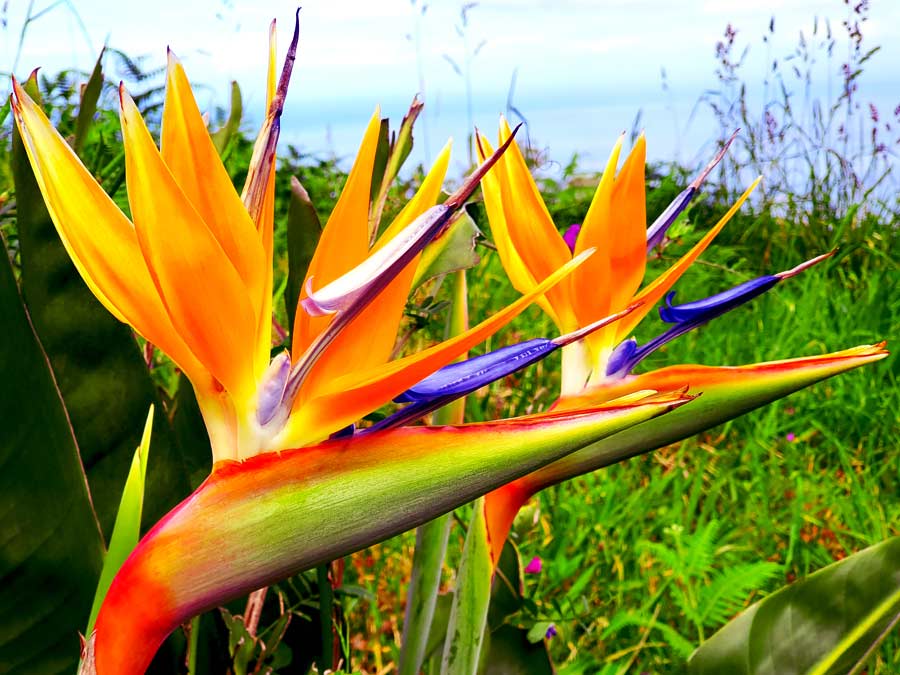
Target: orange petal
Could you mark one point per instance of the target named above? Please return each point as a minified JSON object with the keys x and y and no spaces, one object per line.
{"x":628,"y":243}
{"x":352,"y":396}
{"x":191,"y":157}
{"x":654,"y":291}
{"x":616,"y":223}
{"x":531,"y":229}
{"x":206,"y":297}
{"x":368,"y":340}
{"x":592,"y":283}
{"x":344,"y":243}
{"x":98,"y":237}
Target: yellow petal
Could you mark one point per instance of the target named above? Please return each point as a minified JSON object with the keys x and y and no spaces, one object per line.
{"x":369,"y":339}
{"x":207,"y":300}
{"x":344,"y":243}
{"x":531,"y":229}
{"x":495,"y":189}
{"x":653,"y":292}
{"x":519,"y":274}
{"x":350,"y":397}
{"x":191,"y":157}
{"x":98,"y":237}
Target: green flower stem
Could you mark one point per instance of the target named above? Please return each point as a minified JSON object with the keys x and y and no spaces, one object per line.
{"x":468,"y":614}
{"x":431,"y":538}
{"x":326,"y":609}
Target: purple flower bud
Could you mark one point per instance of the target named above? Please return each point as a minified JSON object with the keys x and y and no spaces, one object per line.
{"x":534,"y":566}
{"x":791,"y":437}
{"x":551,"y":631}
{"x":571,"y":236}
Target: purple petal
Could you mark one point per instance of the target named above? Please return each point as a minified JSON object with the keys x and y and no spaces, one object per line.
{"x":271,"y":391}
{"x":657,"y":232}
{"x":467,"y":376}
{"x":685,"y":318}
{"x":571,"y":236}
{"x":690,"y":315}
{"x":620,"y":359}
{"x":533,"y":566}
{"x":716,"y":305}
{"x":551,"y":632}
{"x":459,"y":379}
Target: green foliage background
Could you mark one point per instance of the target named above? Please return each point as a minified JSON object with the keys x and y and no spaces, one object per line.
{"x":644,"y":560}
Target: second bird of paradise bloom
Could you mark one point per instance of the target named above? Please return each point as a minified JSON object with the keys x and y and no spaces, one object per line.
{"x":598,"y":368}
{"x":597,"y":363}
{"x":192,"y":273}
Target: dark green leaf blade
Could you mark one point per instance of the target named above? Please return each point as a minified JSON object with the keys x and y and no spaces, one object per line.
{"x":512,"y":653}
{"x":303,"y":231}
{"x":453,"y":250}
{"x":822,"y":625}
{"x":52,"y":547}
{"x":89,"y":97}
{"x":190,"y":434}
{"x":97,"y":364}
{"x":223,"y":136}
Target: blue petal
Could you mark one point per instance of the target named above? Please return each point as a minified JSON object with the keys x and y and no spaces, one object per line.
{"x":685,"y":318}
{"x":716,"y":305}
{"x":657,"y":232}
{"x":466,"y":376}
{"x":621,"y":356}
{"x":346,"y":432}
{"x":459,"y":379}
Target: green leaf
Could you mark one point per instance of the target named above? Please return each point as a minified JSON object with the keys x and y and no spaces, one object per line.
{"x":514,"y":652}
{"x":4,"y":111}
{"x":96,"y":361}
{"x":190,"y":434}
{"x":451,"y":251}
{"x":127,"y":529}
{"x":400,"y":148}
{"x":90,"y":94}
{"x":432,"y":537}
{"x":469,"y":612}
{"x":507,"y":586}
{"x":303,"y":232}
{"x":222,"y":137}
{"x":538,"y":631}
{"x":825,"y":624}
{"x":725,"y":393}
{"x":52,"y":547}
{"x":382,"y":154}
{"x":421,"y":599}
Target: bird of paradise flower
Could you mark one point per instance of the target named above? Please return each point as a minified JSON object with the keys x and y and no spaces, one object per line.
{"x":597,"y":366}
{"x":192,"y":273}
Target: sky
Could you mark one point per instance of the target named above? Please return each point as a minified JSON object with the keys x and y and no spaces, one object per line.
{"x":583,"y":68}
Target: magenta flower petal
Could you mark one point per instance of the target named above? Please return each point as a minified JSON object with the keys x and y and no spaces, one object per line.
{"x":534,"y":566}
